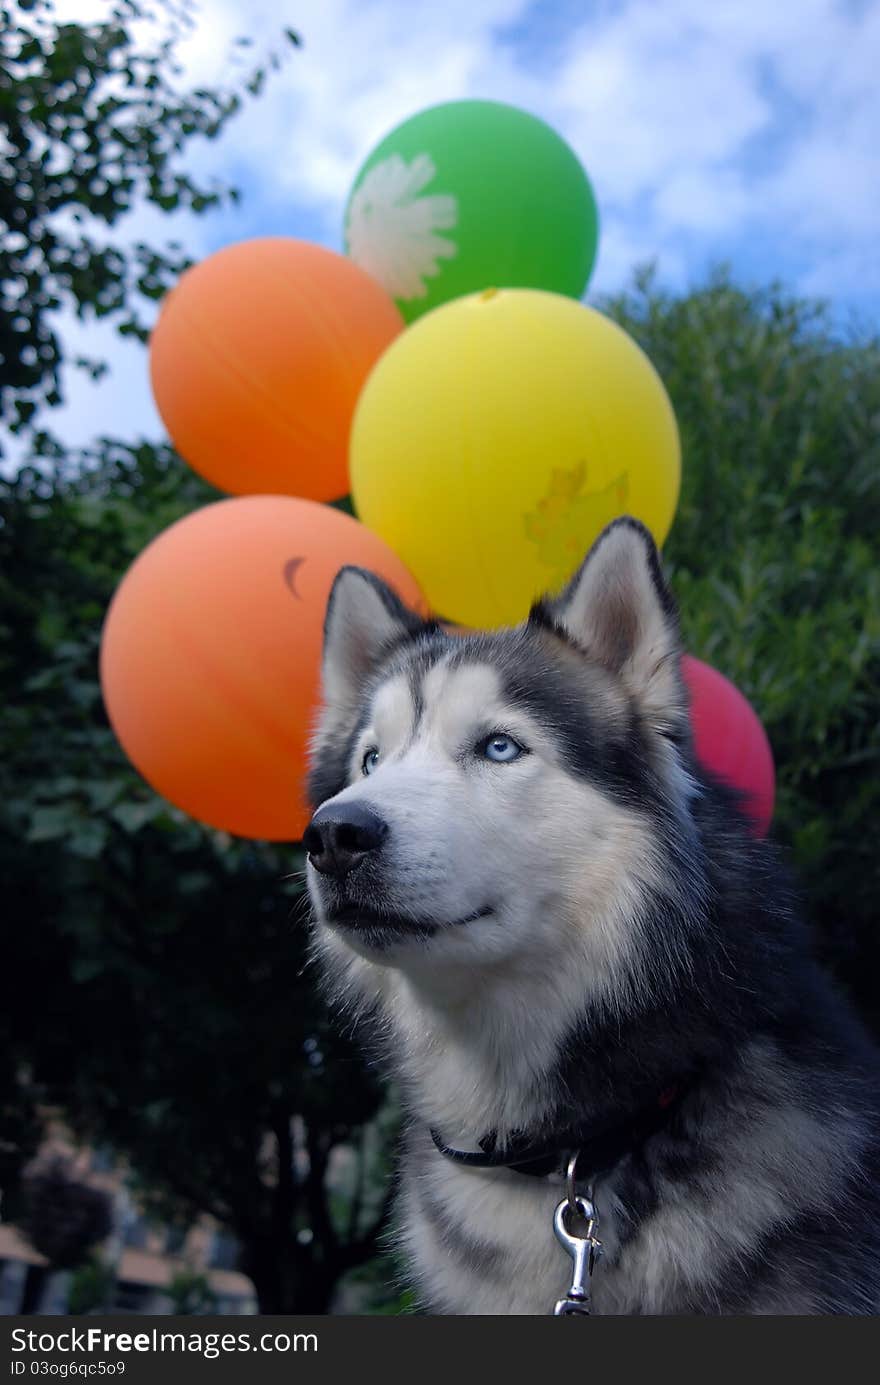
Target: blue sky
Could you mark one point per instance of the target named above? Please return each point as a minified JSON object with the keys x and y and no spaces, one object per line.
{"x":744,"y":131}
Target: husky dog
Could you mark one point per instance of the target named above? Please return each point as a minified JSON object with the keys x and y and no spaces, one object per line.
{"x":564,"y":940}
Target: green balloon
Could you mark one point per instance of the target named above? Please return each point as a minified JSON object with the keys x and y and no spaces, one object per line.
{"x":468,"y":195}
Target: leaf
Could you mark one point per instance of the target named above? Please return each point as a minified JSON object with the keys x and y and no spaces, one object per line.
{"x":194,"y":881}
{"x":89,"y":839}
{"x":85,"y":969}
{"x":133,"y":816}
{"x":47,"y":824}
{"x":102,"y":792}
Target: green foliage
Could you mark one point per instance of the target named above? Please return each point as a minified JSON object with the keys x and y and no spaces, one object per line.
{"x":774,"y":558}
{"x":176,"y":1019}
{"x":191,"y":1292}
{"x":93,"y":124}
{"x":91,"y":1287}
{"x":21,"y":1126}
{"x":154,"y":985}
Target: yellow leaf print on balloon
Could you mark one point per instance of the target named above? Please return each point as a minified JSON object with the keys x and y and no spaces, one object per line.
{"x":568,"y":518}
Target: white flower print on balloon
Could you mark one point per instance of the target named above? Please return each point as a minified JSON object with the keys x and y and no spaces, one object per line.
{"x":392,"y":231}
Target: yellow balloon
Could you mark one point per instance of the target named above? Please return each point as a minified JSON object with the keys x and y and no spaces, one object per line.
{"x":498,"y":435}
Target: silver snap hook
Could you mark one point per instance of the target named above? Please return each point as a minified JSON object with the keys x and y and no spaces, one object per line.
{"x":583,"y":1247}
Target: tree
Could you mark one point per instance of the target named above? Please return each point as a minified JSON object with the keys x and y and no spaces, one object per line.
{"x":176,"y":1020}
{"x":91,"y":1286}
{"x":190,"y":1292}
{"x":774,"y":556}
{"x":63,"y":1218}
{"x":154,"y":984}
{"x":94,"y":125}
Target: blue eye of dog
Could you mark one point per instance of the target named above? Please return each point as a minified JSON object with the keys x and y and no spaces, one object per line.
{"x":370,"y":761}
{"x":501,"y":750}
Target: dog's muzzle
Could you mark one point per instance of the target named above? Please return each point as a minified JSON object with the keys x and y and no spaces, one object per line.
{"x":343,"y":842}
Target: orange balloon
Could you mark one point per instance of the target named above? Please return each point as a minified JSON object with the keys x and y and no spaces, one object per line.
{"x":211,"y":649}
{"x":257,"y":361}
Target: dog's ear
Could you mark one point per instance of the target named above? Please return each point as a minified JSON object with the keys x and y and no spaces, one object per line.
{"x":618,"y":608}
{"x":364,"y":619}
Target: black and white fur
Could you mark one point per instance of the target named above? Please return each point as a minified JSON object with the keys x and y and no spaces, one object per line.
{"x":549,"y":941}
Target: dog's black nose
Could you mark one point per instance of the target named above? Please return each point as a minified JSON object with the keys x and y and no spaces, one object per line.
{"x":339,"y":836}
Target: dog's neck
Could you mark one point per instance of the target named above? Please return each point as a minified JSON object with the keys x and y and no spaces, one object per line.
{"x":480,"y":1062}
{"x":479,"y":1052}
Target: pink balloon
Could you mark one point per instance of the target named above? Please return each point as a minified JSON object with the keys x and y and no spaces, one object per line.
{"x":730,"y":740}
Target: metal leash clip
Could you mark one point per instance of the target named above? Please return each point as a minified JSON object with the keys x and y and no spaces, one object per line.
{"x":574,"y":1222}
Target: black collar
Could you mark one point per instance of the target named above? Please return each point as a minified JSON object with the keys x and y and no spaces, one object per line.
{"x":599,"y":1145}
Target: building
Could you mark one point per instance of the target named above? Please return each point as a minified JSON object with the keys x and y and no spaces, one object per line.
{"x":151,"y":1268}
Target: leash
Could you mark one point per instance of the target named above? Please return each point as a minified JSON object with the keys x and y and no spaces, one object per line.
{"x":575,"y":1219}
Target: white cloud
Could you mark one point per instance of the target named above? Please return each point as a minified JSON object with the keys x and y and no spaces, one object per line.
{"x":364,"y":67}
{"x":730,"y":120}
{"x":707,"y":127}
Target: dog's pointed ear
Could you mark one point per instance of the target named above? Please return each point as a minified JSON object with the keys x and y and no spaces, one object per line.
{"x":618,"y":608}
{"x":364,"y":619}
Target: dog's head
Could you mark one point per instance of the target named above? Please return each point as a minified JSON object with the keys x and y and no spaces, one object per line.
{"x":483,"y":797}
